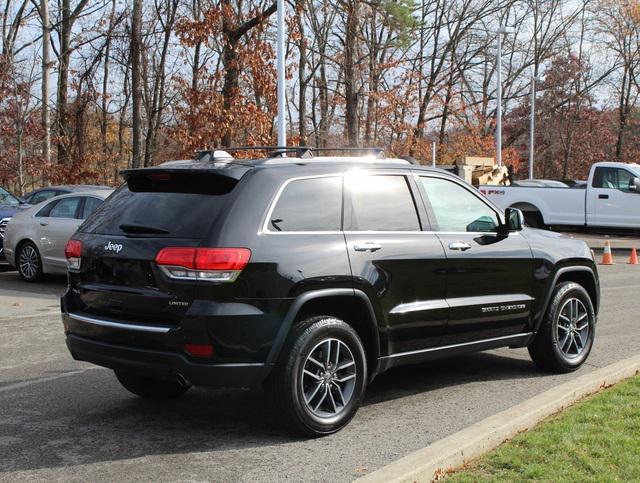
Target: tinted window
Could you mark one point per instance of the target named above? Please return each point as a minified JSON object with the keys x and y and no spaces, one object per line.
{"x":90,"y":205}
{"x":7,"y":199}
{"x":65,"y":208}
{"x":313,"y":204}
{"x":612,"y":178}
{"x":456,"y":208}
{"x":162,"y":205}
{"x":381,"y":203}
{"x":41,"y":196}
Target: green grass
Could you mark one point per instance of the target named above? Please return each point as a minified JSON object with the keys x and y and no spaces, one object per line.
{"x":598,"y":439}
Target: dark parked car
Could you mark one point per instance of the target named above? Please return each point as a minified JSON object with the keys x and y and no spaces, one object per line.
{"x":9,"y":206}
{"x":311,"y":276}
{"x":48,"y":192}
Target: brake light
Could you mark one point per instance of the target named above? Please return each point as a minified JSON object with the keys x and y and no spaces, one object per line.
{"x":73,"y":254}
{"x":209,"y":264}
{"x":159,"y":177}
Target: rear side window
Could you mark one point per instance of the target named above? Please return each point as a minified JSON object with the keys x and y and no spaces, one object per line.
{"x":312,"y":204}
{"x":90,"y":205}
{"x":41,"y":196}
{"x":381,"y":203}
{"x":65,"y":208}
{"x":162,"y":205}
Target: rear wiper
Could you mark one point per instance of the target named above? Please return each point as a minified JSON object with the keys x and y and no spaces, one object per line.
{"x":142,"y":229}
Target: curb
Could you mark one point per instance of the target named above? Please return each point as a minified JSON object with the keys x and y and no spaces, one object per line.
{"x":433,"y":461}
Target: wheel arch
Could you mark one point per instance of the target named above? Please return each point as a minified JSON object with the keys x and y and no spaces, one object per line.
{"x":582,"y":275}
{"x":350,"y":305}
{"x":528,"y":207}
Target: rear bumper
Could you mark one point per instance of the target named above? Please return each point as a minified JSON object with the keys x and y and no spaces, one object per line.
{"x":162,"y":364}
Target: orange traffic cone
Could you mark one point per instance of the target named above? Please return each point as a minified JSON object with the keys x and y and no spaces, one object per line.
{"x":607,"y":258}
{"x":633,"y":259}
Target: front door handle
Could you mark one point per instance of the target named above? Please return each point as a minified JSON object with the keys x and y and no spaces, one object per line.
{"x":462,"y":246}
{"x":43,"y":223}
{"x":603,"y":197}
{"x":367,"y":246}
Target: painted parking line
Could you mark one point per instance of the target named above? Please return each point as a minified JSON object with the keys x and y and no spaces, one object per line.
{"x":20,"y":385}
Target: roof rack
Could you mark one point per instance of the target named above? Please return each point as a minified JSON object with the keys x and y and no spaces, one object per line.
{"x":280,"y":151}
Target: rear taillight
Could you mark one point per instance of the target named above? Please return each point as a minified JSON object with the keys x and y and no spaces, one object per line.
{"x":208,"y":264}
{"x":73,"y":254}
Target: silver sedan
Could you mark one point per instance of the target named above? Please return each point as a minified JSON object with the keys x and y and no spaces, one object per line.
{"x":35,"y":238}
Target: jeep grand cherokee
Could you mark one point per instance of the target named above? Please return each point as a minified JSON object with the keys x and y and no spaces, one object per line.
{"x":311,"y":275}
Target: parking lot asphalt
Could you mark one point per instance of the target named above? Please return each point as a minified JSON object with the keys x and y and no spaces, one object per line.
{"x":64,"y":420}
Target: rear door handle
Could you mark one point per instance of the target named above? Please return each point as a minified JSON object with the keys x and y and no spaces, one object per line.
{"x":462,"y":246}
{"x":367,"y":246}
{"x":43,"y":223}
{"x":603,"y":197}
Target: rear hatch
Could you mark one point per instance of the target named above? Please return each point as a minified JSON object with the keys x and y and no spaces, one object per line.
{"x":118,"y":277}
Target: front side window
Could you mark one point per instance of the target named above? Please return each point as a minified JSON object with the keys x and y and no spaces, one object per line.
{"x":381,"y":203}
{"x":65,"y":208}
{"x":312,"y":204}
{"x":456,"y":209}
{"x":612,"y":178}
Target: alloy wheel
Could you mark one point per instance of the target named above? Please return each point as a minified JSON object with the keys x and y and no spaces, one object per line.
{"x":573,"y":328}
{"x":28,"y":262}
{"x":328,"y":378}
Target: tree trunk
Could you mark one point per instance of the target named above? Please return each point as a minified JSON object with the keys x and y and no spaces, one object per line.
{"x":302,"y":81}
{"x":46,"y":122}
{"x":351,"y":92}
{"x":232,"y":35}
{"x":136,"y":90}
{"x":63,"y":84}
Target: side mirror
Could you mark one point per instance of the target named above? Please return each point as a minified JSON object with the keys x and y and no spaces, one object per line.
{"x":514,"y":219}
{"x":634,"y":185}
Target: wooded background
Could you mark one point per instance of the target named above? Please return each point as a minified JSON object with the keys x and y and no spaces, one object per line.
{"x":90,"y":87}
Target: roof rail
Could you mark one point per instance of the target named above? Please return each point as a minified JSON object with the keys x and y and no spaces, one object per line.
{"x":279,"y":151}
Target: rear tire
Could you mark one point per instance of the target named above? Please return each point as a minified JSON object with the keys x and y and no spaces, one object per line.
{"x":320,"y":380}
{"x":565,"y":337}
{"x":151,"y":388}
{"x":29,"y":262}
{"x":534,"y":219}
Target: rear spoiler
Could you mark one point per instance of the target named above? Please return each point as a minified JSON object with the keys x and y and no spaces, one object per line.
{"x":189,"y":169}
{"x":207,"y":181}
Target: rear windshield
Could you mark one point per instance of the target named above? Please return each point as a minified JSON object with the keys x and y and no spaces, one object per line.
{"x":162,"y":205}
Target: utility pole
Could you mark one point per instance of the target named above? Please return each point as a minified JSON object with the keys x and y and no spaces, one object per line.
{"x":501,"y":31}
{"x":282,"y":93}
{"x":433,"y":153}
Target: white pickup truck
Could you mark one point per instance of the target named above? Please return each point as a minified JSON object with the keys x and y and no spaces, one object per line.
{"x":610,"y":198}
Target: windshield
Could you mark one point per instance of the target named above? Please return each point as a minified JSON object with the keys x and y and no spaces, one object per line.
{"x":7,"y":198}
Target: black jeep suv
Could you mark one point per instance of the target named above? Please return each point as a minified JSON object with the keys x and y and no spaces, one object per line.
{"x":311,"y":275}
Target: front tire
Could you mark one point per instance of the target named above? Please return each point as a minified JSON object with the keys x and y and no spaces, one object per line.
{"x":150,"y":388}
{"x":29,"y":263}
{"x":320,"y":380}
{"x":566,"y":335}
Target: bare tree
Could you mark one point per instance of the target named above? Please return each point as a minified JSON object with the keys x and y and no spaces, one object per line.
{"x":136,"y":82}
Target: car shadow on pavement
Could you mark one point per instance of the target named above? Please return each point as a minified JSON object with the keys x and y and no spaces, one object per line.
{"x":453,"y":371}
{"x":50,"y":285}
{"x":88,"y":418}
